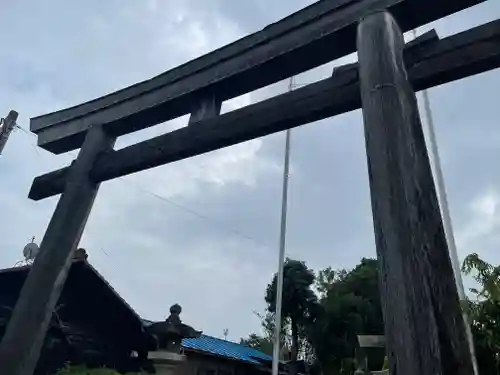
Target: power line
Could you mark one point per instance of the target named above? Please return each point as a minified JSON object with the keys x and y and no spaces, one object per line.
{"x":17,"y":127}
{"x":172,"y":203}
{"x":195,"y":213}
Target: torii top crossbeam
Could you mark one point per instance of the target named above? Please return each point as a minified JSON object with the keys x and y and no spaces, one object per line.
{"x":313,"y":36}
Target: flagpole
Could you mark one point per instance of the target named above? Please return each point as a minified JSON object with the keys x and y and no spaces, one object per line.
{"x":447,"y":222}
{"x":281,"y":257}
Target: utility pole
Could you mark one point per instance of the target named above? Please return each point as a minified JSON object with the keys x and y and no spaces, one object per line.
{"x":6,"y":128}
{"x":281,"y":257}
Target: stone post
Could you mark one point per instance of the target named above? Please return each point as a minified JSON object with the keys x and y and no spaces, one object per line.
{"x":167,"y":358}
{"x":168,"y":363}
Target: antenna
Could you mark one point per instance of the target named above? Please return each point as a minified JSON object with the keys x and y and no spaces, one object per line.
{"x":225,"y":332}
{"x":30,"y":252}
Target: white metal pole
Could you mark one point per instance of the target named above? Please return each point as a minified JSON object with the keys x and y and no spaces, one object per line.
{"x":447,"y":222}
{"x":281,"y":257}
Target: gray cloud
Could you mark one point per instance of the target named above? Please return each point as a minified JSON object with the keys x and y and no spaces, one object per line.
{"x":204,"y":232}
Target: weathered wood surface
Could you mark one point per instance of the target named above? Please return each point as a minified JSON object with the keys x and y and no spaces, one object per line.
{"x":205,"y":107}
{"x":468,"y":53}
{"x":424,"y":328}
{"x":309,"y":38}
{"x":23,"y":339}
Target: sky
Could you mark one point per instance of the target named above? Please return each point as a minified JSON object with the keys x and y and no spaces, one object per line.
{"x":204,"y":232}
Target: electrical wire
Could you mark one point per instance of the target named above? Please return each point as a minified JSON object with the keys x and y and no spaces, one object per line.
{"x":195,"y":213}
{"x":172,"y":203}
{"x":17,"y":127}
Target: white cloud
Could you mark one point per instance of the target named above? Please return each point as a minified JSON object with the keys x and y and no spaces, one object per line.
{"x":481,"y":234}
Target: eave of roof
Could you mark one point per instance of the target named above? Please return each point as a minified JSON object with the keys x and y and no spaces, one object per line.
{"x":88,"y":267}
{"x":214,"y":346}
{"x":223,"y":348}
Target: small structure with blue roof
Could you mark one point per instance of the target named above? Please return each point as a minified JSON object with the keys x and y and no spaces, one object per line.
{"x":225,"y":349}
{"x":208,"y":355}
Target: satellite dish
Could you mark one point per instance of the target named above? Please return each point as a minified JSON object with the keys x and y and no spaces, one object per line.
{"x":30,"y":251}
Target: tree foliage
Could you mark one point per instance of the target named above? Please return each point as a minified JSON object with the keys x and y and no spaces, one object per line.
{"x":324,"y":313}
{"x":350,"y":306}
{"x":486,"y":275}
{"x":484,"y":313}
{"x":325,"y":279}
{"x":328,"y":311}
{"x":299,"y":303}
{"x":264,"y":344}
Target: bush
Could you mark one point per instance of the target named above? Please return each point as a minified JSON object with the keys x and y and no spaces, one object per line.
{"x":74,"y":370}
{"x":79,"y":370}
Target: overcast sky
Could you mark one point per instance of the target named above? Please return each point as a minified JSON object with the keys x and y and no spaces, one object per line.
{"x":204,"y":232}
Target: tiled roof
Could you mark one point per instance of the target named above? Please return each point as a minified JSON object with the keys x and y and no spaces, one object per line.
{"x":227,"y":349}
{"x":223,"y":348}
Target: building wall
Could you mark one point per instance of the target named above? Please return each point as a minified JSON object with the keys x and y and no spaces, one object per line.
{"x":199,"y":364}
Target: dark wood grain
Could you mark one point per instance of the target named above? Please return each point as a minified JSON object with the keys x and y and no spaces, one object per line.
{"x":309,"y":38}
{"x":424,"y":327}
{"x":462,"y":55}
{"x":206,"y":106}
{"x":23,"y":339}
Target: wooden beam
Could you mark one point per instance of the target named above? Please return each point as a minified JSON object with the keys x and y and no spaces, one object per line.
{"x":205,"y":107}
{"x":461,"y":55}
{"x":424,"y":327}
{"x":25,"y":333}
{"x":309,"y":38}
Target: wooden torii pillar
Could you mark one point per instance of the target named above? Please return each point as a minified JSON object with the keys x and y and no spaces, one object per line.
{"x":27,"y":327}
{"x":424,"y":329}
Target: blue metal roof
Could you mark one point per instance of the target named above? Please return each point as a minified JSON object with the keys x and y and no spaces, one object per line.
{"x":223,"y":348}
{"x":227,"y":349}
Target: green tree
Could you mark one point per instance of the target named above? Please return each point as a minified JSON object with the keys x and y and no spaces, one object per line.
{"x":484,"y":312}
{"x":265,"y":342}
{"x":299,"y":304}
{"x":326,"y":278}
{"x":486,"y":275}
{"x":325,"y":329}
{"x":350,"y":305}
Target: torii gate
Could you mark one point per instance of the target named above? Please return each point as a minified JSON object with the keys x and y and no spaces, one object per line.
{"x":423,"y":323}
